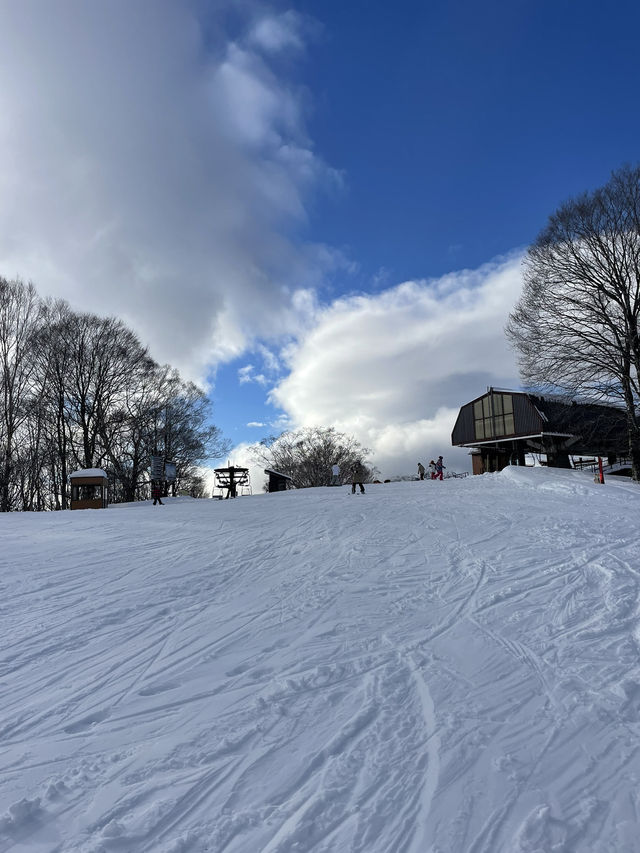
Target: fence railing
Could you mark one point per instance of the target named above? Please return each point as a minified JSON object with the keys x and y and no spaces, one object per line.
{"x":592,"y":464}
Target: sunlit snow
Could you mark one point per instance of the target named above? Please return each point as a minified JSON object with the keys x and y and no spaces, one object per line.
{"x":432,"y":666}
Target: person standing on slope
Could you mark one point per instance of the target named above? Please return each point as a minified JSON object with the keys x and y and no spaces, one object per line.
{"x":432,"y":470}
{"x":421,"y":470}
{"x":335,"y":475}
{"x":439,"y":468}
{"x":357,"y":477}
{"x":156,"y":493}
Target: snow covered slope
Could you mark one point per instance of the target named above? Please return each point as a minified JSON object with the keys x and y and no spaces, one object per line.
{"x":428,"y":667}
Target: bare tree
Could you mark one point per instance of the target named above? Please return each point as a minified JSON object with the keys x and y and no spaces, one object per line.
{"x":53,"y":355}
{"x":89,"y":368}
{"x":162,"y":415}
{"x":576,"y":324}
{"x":128,"y":434}
{"x":80,"y":390}
{"x":107,"y":359}
{"x":19,"y":315}
{"x":307,"y":455}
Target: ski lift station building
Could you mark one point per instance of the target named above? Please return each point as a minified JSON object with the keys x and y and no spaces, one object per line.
{"x":502,"y":426}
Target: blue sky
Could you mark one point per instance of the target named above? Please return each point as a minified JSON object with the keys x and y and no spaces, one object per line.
{"x":317,"y":208}
{"x":458,"y":129}
{"x":461,"y":125}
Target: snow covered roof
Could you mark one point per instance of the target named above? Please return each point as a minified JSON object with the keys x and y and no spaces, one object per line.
{"x":89,"y":472}
{"x":277,"y":474}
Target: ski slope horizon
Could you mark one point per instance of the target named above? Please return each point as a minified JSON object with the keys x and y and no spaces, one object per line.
{"x":432,"y":666}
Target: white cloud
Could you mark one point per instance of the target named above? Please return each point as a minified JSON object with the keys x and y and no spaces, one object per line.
{"x":255,"y":424}
{"x":394,"y":368}
{"x":281,"y":423}
{"x":151,"y":170}
{"x":246,"y":374}
{"x":279,"y":32}
{"x":270,"y":361}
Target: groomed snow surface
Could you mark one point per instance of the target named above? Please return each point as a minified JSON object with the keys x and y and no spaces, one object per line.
{"x":432,"y":666}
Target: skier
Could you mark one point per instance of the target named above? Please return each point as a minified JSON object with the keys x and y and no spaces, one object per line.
{"x":439,"y":468}
{"x":335,"y":475}
{"x":421,"y":470}
{"x":432,"y":470}
{"x":357,"y":476}
{"x":156,"y":493}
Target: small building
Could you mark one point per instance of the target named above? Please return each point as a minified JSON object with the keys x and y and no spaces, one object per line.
{"x":89,"y":489}
{"x":278,"y":482}
{"x":502,"y":426}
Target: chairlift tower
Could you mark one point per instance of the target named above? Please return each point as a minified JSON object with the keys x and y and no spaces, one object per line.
{"x":234,"y":480}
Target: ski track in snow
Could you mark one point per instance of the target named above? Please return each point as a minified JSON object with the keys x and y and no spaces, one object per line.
{"x":449,"y":667}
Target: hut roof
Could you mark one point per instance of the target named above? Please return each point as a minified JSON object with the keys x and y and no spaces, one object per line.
{"x":277,"y":474}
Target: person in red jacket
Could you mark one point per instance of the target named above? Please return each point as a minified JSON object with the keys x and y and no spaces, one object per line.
{"x":439,"y":468}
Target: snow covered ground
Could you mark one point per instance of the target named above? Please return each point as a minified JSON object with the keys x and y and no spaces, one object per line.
{"x":429,"y":667}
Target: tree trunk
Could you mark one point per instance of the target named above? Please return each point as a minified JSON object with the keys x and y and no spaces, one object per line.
{"x":633,"y":429}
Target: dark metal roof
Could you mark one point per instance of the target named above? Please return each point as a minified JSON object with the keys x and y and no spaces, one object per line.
{"x":593,"y":424}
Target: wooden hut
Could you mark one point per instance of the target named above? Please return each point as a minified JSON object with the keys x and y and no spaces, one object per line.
{"x":278,"y":482}
{"x":89,"y":489}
